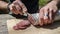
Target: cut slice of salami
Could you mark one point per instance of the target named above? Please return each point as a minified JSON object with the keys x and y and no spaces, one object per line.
{"x":22,"y":25}
{"x":15,"y":28}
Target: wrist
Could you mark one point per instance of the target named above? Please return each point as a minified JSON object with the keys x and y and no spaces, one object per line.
{"x":55,"y":2}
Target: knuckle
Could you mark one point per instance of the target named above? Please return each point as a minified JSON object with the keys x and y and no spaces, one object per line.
{"x":25,"y":9}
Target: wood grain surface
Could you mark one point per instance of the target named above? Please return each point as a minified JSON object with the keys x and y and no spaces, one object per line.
{"x":49,"y":29}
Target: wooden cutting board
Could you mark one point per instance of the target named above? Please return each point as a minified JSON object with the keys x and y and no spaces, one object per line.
{"x":31,"y":29}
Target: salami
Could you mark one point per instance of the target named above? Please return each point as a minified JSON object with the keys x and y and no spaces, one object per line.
{"x":22,"y":25}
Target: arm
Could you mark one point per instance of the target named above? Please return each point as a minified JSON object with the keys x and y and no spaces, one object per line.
{"x":3,"y":5}
{"x":55,"y":1}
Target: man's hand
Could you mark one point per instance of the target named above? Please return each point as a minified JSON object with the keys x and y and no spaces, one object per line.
{"x":47,"y":13}
{"x":17,"y":7}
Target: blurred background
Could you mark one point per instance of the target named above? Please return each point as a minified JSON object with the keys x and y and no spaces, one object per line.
{"x":43,"y":2}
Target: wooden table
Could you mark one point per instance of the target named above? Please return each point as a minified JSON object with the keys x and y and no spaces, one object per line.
{"x":3,"y":23}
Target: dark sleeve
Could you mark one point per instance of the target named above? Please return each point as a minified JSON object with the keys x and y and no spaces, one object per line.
{"x":32,"y":5}
{"x":12,"y":1}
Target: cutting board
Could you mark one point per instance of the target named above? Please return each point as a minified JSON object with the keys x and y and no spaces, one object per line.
{"x":31,"y":29}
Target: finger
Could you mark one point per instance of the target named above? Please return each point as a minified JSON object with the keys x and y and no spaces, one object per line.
{"x":19,"y":11}
{"x":55,"y":11}
{"x":46,"y":15}
{"x":11,"y":8}
{"x":50,"y":15}
{"x":41,"y":21}
{"x":16,"y":6}
{"x":24,"y":9}
{"x":41,"y":16}
{"x":14,"y":10}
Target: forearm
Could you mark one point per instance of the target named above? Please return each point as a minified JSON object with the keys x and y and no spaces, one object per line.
{"x":56,"y":1}
{"x":3,"y":5}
